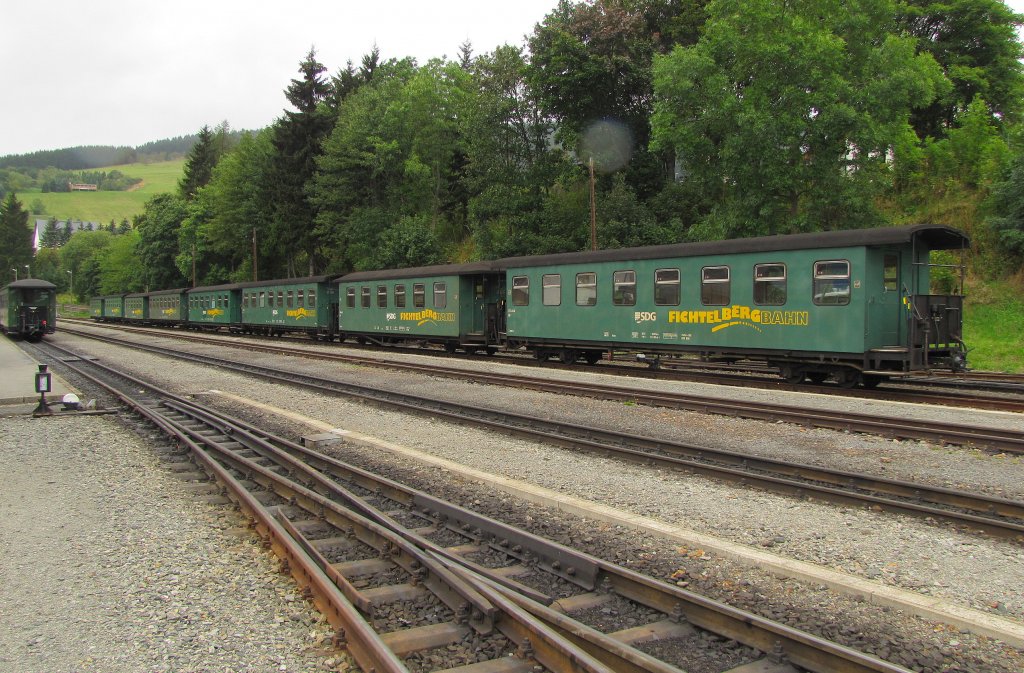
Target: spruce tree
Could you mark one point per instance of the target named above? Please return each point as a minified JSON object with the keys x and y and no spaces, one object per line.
{"x":298,"y":137}
{"x":15,"y":236}
{"x":199,"y":166}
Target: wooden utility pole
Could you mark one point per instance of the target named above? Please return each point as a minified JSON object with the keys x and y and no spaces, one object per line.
{"x":193,"y":265}
{"x":255,"y":266}
{"x":593,"y":209}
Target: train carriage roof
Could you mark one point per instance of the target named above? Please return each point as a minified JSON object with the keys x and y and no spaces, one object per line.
{"x":466,"y":269}
{"x":291,"y":281}
{"x":214,"y":288}
{"x":934,"y":236}
{"x":30,"y":284}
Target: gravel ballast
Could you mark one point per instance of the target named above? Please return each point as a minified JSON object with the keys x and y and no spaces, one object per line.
{"x":108,"y":563}
{"x":934,"y":560}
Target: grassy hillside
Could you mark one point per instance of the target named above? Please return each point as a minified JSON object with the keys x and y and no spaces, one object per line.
{"x":993,"y":315}
{"x":103,"y":207}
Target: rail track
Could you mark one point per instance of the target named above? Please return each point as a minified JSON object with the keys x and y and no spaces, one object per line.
{"x":995,"y":516}
{"x":411,"y":582}
{"x":963,"y":391}
{"x":1010,"y":441}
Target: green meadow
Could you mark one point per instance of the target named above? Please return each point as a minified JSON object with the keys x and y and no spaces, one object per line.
{"x":102,"y":207}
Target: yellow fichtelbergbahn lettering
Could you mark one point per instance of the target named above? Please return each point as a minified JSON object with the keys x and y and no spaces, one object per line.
{"x":728,"y":316}
{"x":427,"y":315}
{"x":300,"y":313}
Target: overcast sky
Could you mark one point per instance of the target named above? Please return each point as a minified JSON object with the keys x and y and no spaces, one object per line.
{"x":113,"y":72}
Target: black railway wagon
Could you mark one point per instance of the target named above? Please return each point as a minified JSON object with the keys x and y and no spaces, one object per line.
{"x":855,"y":305}
{"x":457,"y":306}
{"x":307,"y":305}
{"x":28,"y":308}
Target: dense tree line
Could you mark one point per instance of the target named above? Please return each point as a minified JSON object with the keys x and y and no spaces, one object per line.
{"x":697,"y":119}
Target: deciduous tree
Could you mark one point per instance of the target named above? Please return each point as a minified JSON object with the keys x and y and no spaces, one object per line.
{"x":785,"y":113}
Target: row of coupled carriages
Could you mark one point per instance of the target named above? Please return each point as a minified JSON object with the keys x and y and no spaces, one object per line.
{"x":853,"y":305}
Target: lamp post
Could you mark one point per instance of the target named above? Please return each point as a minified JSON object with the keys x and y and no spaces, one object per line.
{"x":28,"y":271}
{"x":15,"y":273}
{"x":71,"y":285}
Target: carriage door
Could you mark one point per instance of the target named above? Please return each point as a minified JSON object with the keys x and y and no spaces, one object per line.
{"x":887,"y":316}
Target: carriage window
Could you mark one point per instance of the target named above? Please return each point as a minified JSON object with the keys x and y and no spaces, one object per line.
{"x":400,"y":296}
{"x":311,"y":298}
{"x":551,"y":284}
{"x":440,"y":295}
{"x":350,"y":297}
{"x":300,"y":300}
{"x":666,"y":287}
{"x":280,"y":298}
{"x":624,"y":288}
{"x":419,"y":295}
{"x":520,"y":291}
{"x":891,"y":273}
{"x":832,"y":283}
{"x":770,"y":284}
{"x":714,"y":286}
{"x":291,"y":299}
{"x":586,"y":289}
{"x":382,"y":296}
{"x":364,"y":296}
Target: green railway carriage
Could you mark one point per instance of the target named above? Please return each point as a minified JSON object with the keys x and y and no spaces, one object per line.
{"x":855,"y":305}
{"x":28,"y":308}
{"x":215,"y":306}
{"x":96,"y":308}
{"x":453,"y":305}
{"x":168,"y":307}
{"x":307,"y":305}
{"x":136,"y":307}
{"x":111,"y":307}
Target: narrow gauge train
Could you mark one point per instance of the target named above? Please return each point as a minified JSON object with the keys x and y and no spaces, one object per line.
{"x":852,"y":305}
{"x":28,"y":308}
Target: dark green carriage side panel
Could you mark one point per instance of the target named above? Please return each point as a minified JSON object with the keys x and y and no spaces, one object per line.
{"x":168,"y":306}
{"x":96,"y":307}
{"x":218,"y":306}
{"x":304,"y":304}
{"x":449,"y":321}
{"x":729,"y":317}
{"x":136,"y":307}
{"x":113,"y":307}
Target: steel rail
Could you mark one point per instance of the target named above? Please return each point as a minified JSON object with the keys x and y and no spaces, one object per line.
{"x":790,"y":644}
{"x":371,"y":650}
{"x":994,"y":516}
{"x":690,"y":373}
{"x":560,"y":644}
{"x":943,"y":433}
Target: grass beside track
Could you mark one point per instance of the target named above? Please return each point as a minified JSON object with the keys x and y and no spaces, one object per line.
{"x":994,"y":328}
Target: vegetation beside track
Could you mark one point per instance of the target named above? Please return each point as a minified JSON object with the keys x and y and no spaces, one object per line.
{"x":994,"y":326}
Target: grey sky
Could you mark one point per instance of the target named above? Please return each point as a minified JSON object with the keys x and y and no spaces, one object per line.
{"x":113,"y":72}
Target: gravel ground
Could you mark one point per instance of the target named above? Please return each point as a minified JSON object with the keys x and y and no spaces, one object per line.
{"x":968,"y":569}
{"x":108,"y":564}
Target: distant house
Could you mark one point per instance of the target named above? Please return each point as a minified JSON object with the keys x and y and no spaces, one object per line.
{"x":76,"y":225}
{"x":81,"y":187}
